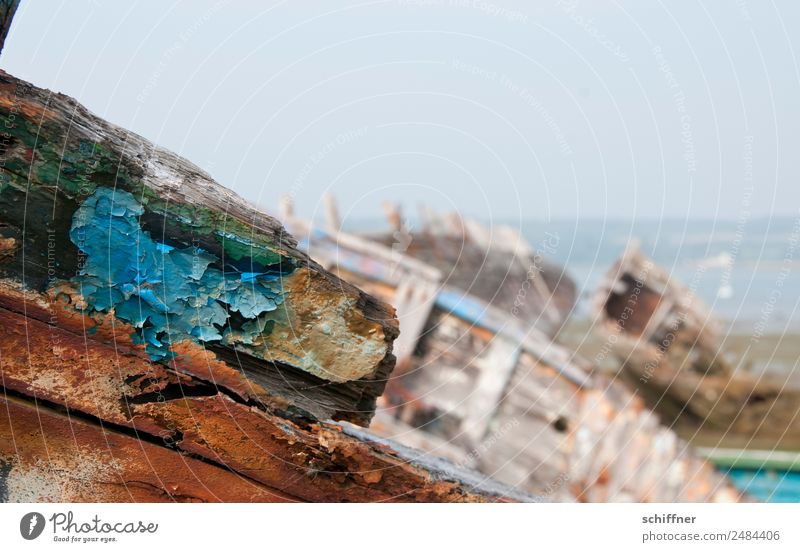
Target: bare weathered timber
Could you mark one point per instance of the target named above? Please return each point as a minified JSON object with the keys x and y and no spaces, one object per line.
{"x":496,"y":265}
{"x":557,"y":436}
{"x":116,"y":228}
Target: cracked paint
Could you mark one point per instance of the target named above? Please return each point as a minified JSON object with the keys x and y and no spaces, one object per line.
{"x":168,"y":294}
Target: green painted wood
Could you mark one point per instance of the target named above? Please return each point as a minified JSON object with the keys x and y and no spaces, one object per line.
{"x":122,"y":227}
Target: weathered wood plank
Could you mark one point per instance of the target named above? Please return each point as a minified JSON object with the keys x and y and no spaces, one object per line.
{"x":496,"y":369}
{"x":46,"y":456}
{"x":216,"y":423}
{"x":118,"y":226}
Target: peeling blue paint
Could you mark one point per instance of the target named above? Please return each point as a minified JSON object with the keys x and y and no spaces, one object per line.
{"x":168,"y":294}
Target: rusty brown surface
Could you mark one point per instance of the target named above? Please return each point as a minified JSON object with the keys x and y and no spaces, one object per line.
{"x":53,"y":315}
{"x":50,"y":457}
{"x":317,"y":462}
{"x":8,"y":247}
{"x":48,"y":319}
{"x":199,"y":413}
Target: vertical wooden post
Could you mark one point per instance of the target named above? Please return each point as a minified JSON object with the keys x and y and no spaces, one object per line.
{"x":496,"y":370}
{"x":287,"y":209}
{"x":332,"y":222}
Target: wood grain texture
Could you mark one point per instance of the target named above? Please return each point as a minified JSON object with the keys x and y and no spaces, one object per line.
{"x":47,"y":456}
{"x":202,"y":409}
{"x":311,"y":331}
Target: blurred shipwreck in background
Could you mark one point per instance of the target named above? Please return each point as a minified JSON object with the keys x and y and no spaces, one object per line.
{"x":482,"y":379}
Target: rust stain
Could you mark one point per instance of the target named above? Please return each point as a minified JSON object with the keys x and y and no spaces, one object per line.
{"x":99,"y":333}
{"x":317,"y":463}
{"x":11,"y":100}
{"x":8,"y":247}
{"x":195,"y":360}
{"x":55,"y":458}
{"x":299,"y":459}
{"x":58,"y":366}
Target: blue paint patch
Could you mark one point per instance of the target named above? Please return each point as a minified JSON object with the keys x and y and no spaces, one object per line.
{"x":462,"y":305}
{"x":767,"y":485}
{"x":168,"y":294}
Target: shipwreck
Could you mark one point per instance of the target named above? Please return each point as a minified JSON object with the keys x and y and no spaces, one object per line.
{"x":481,"y":379}
{"x":672,"y":352}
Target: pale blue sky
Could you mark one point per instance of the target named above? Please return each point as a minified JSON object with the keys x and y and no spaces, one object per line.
{"x":501,"y":109}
